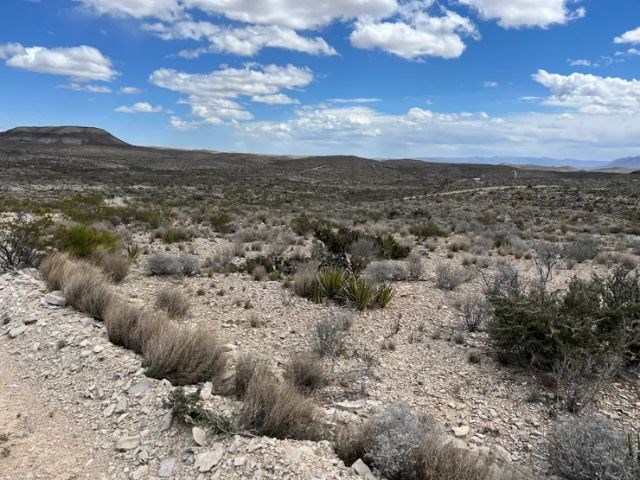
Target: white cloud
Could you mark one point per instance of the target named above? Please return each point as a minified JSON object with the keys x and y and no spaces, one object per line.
{"x":78,"y":87}
{"x":580,"y":62}
{"x":140,"y":107}
{"x":277,"y":99}
{"x":165,"y":9}
{"x":490,"y":84}
{"x":295,"y":14}
{"x":209,"y":95}
{"x":81,"y":64}
{"x":130,"y":90}
{"x":418,"y":132}
{"x":180,"y":124}
{"x":591,"y":93}
{"x":632,"y":36}
{"x":355,"y":100}
{"x":245,"y":41}
{"x":526,"y":13}
{"x":416,"y":33}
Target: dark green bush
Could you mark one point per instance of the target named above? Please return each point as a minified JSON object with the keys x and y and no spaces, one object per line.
{"x":427,"y":229}
{"x":83,"y":240}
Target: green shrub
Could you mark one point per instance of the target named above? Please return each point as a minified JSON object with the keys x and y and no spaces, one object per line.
{"x":384,"y":295}
{"x":221,"y":222}
{"x":186,"y":409}
{"x":392,"y":249}
{"x":427,"y":229}
{"x":83,"y":240}
{"x":330,"y":282}
{"x":360,"y":292}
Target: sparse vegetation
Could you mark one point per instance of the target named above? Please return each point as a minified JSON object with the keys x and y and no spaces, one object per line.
{"x":173,"y":301}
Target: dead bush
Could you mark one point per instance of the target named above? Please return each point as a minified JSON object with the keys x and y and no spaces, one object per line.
{"x":259,"y":273}
{"x":415,"y":266}
{"x":184,"y":355}
{"x":329,"y":336}
{"x":307,"y":373}
{"x":276,"y":411}
{"x":247,"y":366}
{"x":173,"y":301}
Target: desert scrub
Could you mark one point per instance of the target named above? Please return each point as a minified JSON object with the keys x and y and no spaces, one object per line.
{"x":427,"y":230}
{"x":384,"y":295}
{"x":329,"y":335}
{"x":305,"y":373}
{"x":114,"y":265}
{"x":592,"y":448}
{"x":184,"y":355}
{"x":278,"y":411}
{"x":187,"y":410}
{"x":173,"y":301}
{"x":386,"y":271}
{"x":84,"y":240}
{"x":161,"y":264}
{"x":20,"y":239}
{"x":329,"y":283}
{"x":475,"y":311}
{"x":362,"y":251}
{"x":130,"y":326}
{"x":173,"y":234}
{"x":359,"y":292}
{"x":88,"y":291}
{"x":414,"y":266}
{"x":449,"y":277}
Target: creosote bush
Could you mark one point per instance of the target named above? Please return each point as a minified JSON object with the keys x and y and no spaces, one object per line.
{"x":84,"y":240}
{"x":173,"y":301}
{"x":20,"y":239}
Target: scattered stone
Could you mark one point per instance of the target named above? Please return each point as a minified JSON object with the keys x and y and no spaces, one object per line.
{"x":205,"y":393}
{"x":166,"y":467}
{"x":298,"y":453}
{"x":128,"y":442}
{"x":30,"y":321}
{"x":121,"y":406}
{"x":141,"y":387}
{"x":167,"y":420}
{"x":140,"y":472}
{"x":461,"y":431}
{"x":17,"y":331}
{"x":209,"y":459}
{"x":107,"y":412}
{"x":239,"y":461}
{"x":199,"y":436}
{"x":56,"y":299}
{"x":98,"y":349}
{"x":362,"y":470}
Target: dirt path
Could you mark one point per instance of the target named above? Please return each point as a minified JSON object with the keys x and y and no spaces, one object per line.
{"x":481,"y":189}
{"x":38,"y":440}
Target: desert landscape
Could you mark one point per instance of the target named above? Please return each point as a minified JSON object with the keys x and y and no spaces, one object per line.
{"x":192,"y":315}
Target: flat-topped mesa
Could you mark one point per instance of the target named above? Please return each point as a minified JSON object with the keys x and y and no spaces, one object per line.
{"x":64,"y":135}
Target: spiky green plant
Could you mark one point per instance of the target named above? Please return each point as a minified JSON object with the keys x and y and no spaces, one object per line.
{"x":331,"y":282}
{"x":384,"y":295}
{"x":360,"y":292}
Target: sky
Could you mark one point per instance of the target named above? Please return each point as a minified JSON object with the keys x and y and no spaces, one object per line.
{"x":377,"y":78}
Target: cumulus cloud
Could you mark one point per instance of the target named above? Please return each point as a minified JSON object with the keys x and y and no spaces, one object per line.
{"x":526,"y":13}
{"x":580,"y":62}
{"x":295,"y":14}
{"x":244,"y":41}
{"x":140,"y":107}
{"x":212,"y":96}
{"x":416,"y":33}
{"x":165,"y":9}
{"x":81,"y":64}
{"x":632,"y":36}
{"x":419,"y":132}
{"x":591,"y":93}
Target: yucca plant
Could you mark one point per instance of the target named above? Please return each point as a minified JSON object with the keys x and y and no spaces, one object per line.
{"x":359,"y":291}
{"x":317,"y":291}
{"x":384,"y":295}
{"x":133,"y":251}
{"x":331,"y":282}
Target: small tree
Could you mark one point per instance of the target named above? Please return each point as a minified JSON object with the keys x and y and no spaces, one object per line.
{"x":20,"y":239}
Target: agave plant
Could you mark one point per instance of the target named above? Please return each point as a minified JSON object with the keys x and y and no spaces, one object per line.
{"x":331,"y":282}
{"x":384,"y":295}
{"x":359,"y":291}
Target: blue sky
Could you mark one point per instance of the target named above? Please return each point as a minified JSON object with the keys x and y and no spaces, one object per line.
{"x":381,"y":78}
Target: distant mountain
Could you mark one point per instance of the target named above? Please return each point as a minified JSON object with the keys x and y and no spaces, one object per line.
{"x":64,"y":136}
{"x":524,"y":161}
{"x":629,"y":162}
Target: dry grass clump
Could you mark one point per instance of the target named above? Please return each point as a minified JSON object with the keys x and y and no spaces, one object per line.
{"x":448,"y":276}
{"x":183,"y":355}
{"x":56,"y":269}
{"x":415,"y":266}
{"x":86,"y":290}
{"x":306,"y":373}
{"x":130,"y":326}
{"x":627,"y":260}
{"x":381,"y":271}
{"x":247,"y":366}
{"x":259,"y":273}
{"x":304,"y":280}
{"x":173,"y":301}
{"x":114,"y":265}
{"x":276,"y":411}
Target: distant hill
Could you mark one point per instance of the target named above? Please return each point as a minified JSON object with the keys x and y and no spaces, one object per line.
{"x":629,"y":162}
{"x":564,"y":163}
{"x":66,"y":136}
